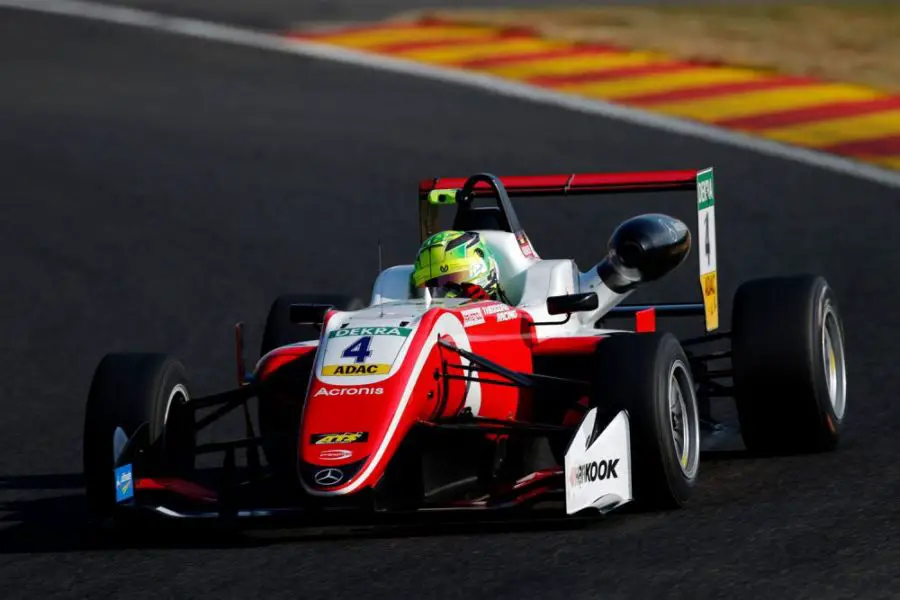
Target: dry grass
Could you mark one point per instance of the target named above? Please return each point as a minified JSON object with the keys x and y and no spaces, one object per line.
{"x":853,"y":41}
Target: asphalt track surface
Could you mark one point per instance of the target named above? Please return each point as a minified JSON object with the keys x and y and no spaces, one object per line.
{"x":158,"y":189}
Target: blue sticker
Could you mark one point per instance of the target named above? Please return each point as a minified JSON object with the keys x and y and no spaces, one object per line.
{"x":124,"y":485}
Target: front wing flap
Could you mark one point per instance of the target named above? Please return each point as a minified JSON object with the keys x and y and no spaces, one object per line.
{"x":598,"y":468}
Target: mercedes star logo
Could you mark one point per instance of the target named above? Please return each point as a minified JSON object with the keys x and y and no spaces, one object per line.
{"x":329,"y":477}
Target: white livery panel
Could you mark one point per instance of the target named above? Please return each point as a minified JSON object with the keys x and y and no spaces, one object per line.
{"x":598,"y":473}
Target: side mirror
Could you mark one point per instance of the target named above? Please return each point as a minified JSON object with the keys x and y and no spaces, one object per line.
{"x":570,"y":303}
{"x":308,"y":314}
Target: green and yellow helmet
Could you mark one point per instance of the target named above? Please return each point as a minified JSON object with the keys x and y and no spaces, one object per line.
{"x":457,"y":264}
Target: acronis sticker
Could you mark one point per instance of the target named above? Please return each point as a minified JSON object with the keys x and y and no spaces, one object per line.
{"x":124,"y":483}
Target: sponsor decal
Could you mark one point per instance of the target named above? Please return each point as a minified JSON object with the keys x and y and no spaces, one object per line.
{"x":349,"y":391}
{"x":342,"y":370}
{"x":709,"y":282}
{"x":525,"y":245}
{"x":124,"y":487}
{"x":335,"y":454}
{"x":706,"y":243}
{"x":368,"y":331}
{"x":493,"y":309}
{"x":506,"y":316}
{"x":354,"y":437}
{"x":705,"y":194}
{"x":363,"y":351}
{"x":472,"y":316}
{"x":594,"y":471}
{"x":711,"y":299}
{"x":329,"y":477}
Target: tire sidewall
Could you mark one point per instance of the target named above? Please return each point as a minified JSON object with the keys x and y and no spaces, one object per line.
{"x":778,"y":361}
{"x":671,"y":354}
{"x":632,"y":373}
{"x":824,"y":302}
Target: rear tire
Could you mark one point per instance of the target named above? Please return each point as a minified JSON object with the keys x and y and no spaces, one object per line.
{"x":279,"y":415}
{"x":649,"y":376}
{"x":127,"y":391}
{"x":789,"y":365}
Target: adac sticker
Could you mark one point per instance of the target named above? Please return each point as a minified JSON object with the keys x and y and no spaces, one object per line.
{"x":343,"y":370}
{"x":124,"y":483}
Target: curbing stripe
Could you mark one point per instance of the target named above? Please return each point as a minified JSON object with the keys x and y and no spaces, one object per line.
{"x":891,"y":162}
{"x":385,"y":36}
{"x":558,"y":80}
{"x":821,"y":112}
{"x":452,"y":55}
{"x":412,"y":46}
{"x":635,"y":88}
{"x":836,"y":132}
{"x":706,"y":92}
{"x":541,"y":55}
{"x":744,"y":105}
{"x":873,"y":147}
{"x":575,"y":64}
{"x":843,"y":119}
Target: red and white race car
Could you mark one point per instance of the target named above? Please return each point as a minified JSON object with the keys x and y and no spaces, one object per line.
{"x":412,"y":403}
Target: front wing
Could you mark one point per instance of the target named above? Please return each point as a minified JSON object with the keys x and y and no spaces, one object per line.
{"x":596,"y":474}
{"x":598,"y":467}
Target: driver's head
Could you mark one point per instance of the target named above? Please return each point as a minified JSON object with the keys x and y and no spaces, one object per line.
{"x":456,"y":264}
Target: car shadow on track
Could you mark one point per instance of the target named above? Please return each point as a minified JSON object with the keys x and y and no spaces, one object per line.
{"x":33,"y":521}
{"x":34,"y":518}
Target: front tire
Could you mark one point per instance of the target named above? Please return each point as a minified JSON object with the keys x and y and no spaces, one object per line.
{"x":649,"y":376}
{"x":279,"y":413}
{"x":789,"y":365}
{"x":127,"y":391}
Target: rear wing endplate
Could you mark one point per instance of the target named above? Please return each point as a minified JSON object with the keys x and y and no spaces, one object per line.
{"x":460,"y":192}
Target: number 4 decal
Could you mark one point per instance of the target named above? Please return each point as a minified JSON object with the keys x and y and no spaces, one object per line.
{"x":707,"y":246}
{"x":359,"y":350}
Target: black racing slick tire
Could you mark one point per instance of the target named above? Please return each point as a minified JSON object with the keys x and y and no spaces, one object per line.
{"x":279,"y":412}
{"x":649,"y":376}
{"x":127,"y":391}
{"x":789,"y":364}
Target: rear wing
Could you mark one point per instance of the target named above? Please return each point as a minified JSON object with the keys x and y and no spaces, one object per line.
{"x":460,"y":192}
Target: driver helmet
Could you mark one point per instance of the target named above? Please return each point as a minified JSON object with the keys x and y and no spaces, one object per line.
{"x":457,"y":264}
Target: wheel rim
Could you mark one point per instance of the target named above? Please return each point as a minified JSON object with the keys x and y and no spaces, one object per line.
{"x":834,"y":363}
{"x":683,"y":419}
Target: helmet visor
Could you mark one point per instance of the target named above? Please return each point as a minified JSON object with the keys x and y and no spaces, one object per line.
{"x":446,"y":286}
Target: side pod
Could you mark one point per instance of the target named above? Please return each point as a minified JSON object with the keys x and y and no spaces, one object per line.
{"x":598,"y":468}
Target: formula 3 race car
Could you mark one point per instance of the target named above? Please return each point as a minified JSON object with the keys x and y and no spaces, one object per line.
{"x":413,"y":403}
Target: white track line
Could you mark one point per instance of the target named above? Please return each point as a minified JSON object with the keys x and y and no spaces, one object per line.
{"x":245,"y":37}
